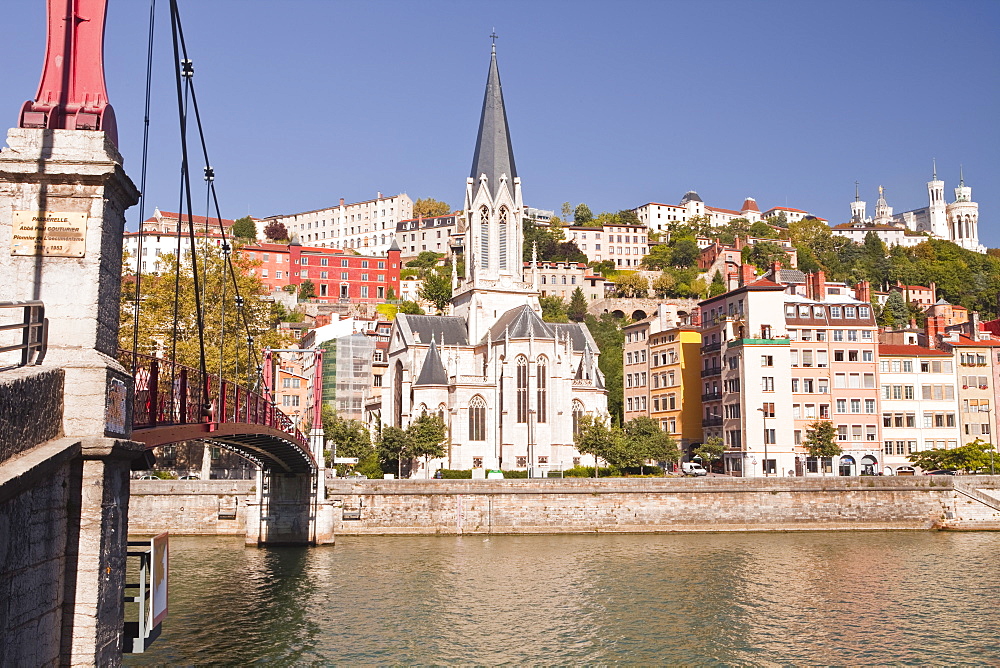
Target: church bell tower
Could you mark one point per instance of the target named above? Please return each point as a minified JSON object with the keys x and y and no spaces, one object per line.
{"x":494,"y":269}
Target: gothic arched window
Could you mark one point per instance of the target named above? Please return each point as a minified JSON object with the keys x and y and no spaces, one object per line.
{"x":397,"y":396}
{"x":477,"y":419}
{"x":484,"y":237}
{"x":522,"y":389}
{"x":502,"y":221}
{"x":577,"y":414}
{"x":542,"y":382}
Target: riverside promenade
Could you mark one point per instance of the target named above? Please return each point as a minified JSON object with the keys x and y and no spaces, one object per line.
{"x":585,"y":505}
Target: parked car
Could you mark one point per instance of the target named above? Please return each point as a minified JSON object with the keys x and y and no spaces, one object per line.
{"x":693,"y":468}
{"x":190,"y":477}
{"x":939,"y":472}
{"x":356,"y":476}
{"x":148,"y":477}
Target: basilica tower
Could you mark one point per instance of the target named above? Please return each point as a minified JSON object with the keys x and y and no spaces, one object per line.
{"x":936,"y":205}
{"x":493,"y":282}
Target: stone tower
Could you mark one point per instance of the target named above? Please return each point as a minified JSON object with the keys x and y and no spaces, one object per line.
{"x":936,"y":208}
{"x":963,"y":218}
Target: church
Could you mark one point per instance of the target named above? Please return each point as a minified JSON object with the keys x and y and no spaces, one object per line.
{"x":510,"y":387}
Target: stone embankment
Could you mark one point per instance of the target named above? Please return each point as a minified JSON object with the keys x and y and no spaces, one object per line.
{"x":643,"y":505}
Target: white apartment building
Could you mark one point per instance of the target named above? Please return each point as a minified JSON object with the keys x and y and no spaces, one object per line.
{"x":658,"y":216}
{"x":919,"y":402}
{"x":368,"y":227}
{"x":436,"y":234}
{"x":158,"y":236}
{"x":625,"y":245}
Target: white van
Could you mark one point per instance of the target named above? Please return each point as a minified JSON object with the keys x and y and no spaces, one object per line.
{"x":693,"y":468}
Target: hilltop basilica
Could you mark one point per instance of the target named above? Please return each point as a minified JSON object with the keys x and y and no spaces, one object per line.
{"x":510,"y":387}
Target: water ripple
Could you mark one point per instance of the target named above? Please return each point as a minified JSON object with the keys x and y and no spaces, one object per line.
{"x":718,"y":599}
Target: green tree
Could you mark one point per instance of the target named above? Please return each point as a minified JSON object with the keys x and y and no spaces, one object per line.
{"x":605,"y":268}
{"x":567,"y":210}
{"x":651,"y":442}
{"x":763,"y":254}
{"x":425,"y":260}
{"x":684,"y":253}
{"x":972,"y":457}
{"x":895,"y":313}
{"x":350,"y":436}
{"x":244,"y":228}
{"x":632,"y":284}
{"x":436,"y":288}
{"x":597,"y":437}
{"x":821,"y":440}
{"x":718,"y":285}
{"x":577,"y":309}
{"x":664,"y":284}
{"x":762,"y":230}
{"x":306,"y":289}
{"x":582,"y":214}
{"x":429,"y":208}
{"x":659,"y":257}
{"x":276,"y":231}
{"x":628,"y":217}
{"x":426,"y":436}
{"x":553,"y":308}
{"x":710,"y":451}
{"x":258,"y":317}
{"x":393,"y":447}
{"x":410,"y":308}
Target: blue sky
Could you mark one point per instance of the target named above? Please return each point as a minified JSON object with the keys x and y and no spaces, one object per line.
{"x":610,"y":103}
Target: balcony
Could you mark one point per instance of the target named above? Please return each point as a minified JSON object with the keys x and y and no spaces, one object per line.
{"x":714,"y":371}
{"x":715,"y":421}
{"x":711,"y":396}
{"x":759,"y":342}
{"x":711,"y":347}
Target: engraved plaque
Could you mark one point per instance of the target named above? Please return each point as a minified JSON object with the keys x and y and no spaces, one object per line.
{"x":49,"y":233}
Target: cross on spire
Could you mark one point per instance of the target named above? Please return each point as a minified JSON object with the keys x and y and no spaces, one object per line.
{"x":494,"y":36}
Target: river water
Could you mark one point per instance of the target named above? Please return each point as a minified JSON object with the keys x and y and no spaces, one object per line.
{"x":768,"y":598}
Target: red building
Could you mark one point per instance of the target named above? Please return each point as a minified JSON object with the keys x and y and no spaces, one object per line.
{"x":335,"y":275}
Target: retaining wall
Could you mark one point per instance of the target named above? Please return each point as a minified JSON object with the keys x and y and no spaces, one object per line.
{"x":373,"y":507}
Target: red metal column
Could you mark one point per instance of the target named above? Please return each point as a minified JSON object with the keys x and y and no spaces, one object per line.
{"x":72,"y":94}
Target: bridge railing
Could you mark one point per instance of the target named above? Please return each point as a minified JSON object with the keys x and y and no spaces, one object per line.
{"x":168,"y":393}
{"x":34,"y":328}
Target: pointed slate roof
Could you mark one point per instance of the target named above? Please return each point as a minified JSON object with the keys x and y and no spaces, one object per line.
{"x":494,"y":155}
{"x":432,"y":372}
{"x":520,"y":323}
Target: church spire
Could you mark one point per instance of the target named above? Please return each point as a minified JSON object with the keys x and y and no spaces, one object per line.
{"x":494,"y":156}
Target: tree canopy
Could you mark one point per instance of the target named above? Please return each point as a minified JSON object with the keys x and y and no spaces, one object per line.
{"x":244,"y":228}
{"x":156,"y":314}
{"x":427,"y":207}
{"x":276,"y":231}
{"x":972,"y":457}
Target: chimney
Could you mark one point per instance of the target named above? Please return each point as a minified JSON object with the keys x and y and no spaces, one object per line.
{"x":379,"y":195}
{"x":341,"y":201}
{"x":932,"y":328}
{"x":863,"y":291}
{"x":933,"y":292}
{"x":977,"y":334}
{"x":776,"y":271}
{"x":747,"y":274}
{"x":819,"y":286}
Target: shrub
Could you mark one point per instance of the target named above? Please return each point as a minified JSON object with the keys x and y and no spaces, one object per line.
{"x":456,"y":474}
{"x":588,"y":472}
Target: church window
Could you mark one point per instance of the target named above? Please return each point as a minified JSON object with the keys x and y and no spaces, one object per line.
{"x":522,"y":389}
{"x":577,"y":414}
{"x":503,"y":237}
{"x":484,"y":237}
{"x":477,"y":419}
{"x":542,"y":373}
{"x":397,"y":396}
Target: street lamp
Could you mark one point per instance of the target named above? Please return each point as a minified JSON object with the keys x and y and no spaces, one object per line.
{"x":763,"y":413}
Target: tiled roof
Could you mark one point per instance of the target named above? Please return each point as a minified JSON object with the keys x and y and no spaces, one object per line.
{"x":966,"y":341}
{"x":715,"y":208}
{"x":908,"y":351}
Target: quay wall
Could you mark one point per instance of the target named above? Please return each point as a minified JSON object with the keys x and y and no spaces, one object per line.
{"x":643,"y":505}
